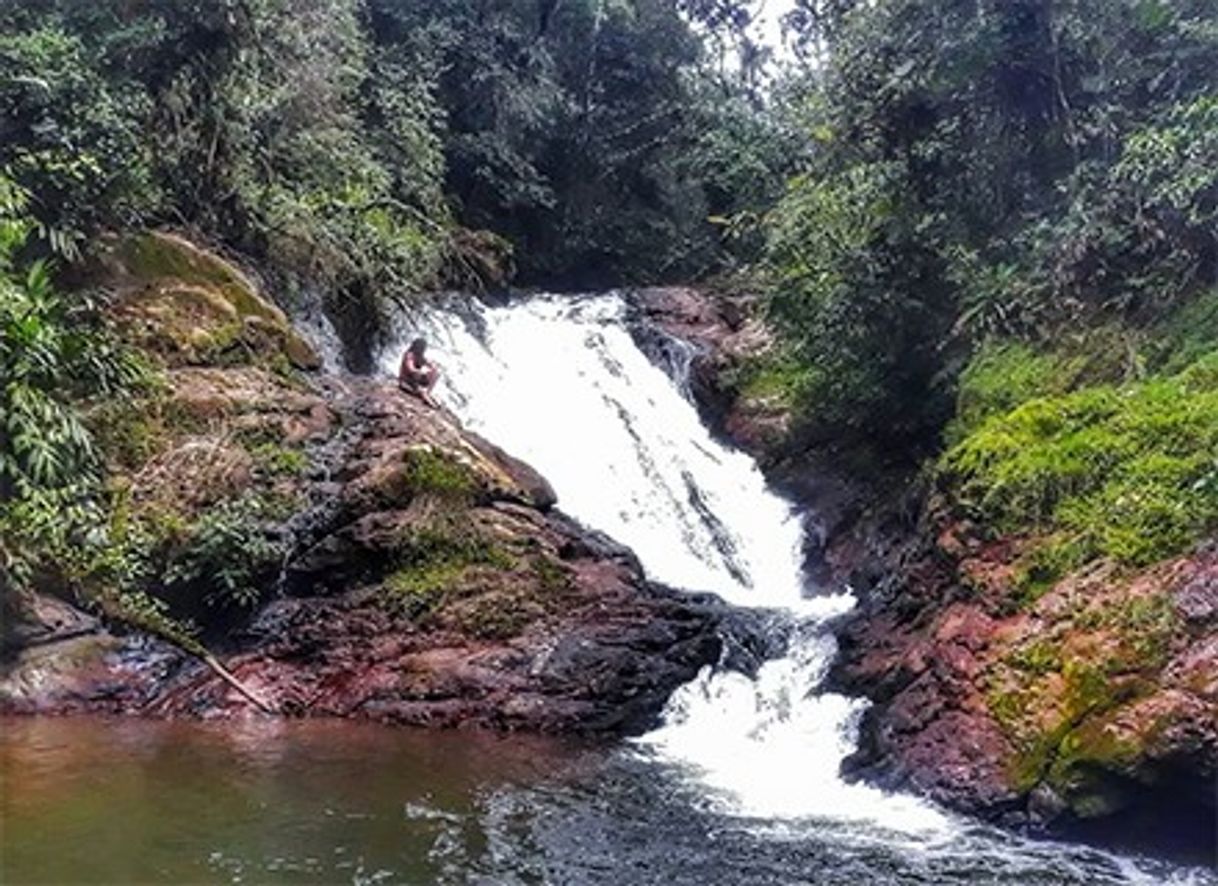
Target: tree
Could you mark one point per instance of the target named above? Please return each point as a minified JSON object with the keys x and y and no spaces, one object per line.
{"x":974,"y":175}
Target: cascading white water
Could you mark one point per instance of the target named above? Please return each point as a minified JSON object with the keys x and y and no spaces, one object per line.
{"x":561,"y":383}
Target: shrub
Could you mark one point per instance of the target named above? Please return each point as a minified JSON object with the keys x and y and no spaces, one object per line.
{"x":776,"y":376}
{"x":998,"y":379}
{"x":228,"y":551}
{"x":1185,"y":335}
{"x":280,"y":461}
{"x":74,"y":132}
{"x":1005,"y":373}
{"x":55,"y":353}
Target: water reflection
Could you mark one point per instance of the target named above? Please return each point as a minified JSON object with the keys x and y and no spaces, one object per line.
{"x":125,"y":800}
{"x":109,"y":801}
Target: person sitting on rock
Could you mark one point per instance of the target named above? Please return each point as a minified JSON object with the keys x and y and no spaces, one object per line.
{"x":417,"y":374}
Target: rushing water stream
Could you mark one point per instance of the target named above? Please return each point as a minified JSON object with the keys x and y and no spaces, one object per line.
{"x":739,"y":785}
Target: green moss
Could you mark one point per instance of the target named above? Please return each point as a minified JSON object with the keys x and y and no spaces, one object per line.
{"x":497,"y":617}
{"x":431,"y":563}
{"x":129,"y":432}
{"x":1027,"y":769}
{"x":418,"y":589}
{"x":262,"y":434}
{"x":1087,"y":765}
{"x":1127,"y":472}
{"x":997,"y":380}
{"x":157,"y":255}
{"x":1055,"y":723}
{"x":773,"y":376}
{"x":1036,"y":657}
{"x":430,"y":472}
{"x":551,"y":577}
{"x":280,"y":461}
{"x":1088,"y":688}
{"x":1008,"y":706}
{"x":279,"y":364}
{"x":1145,"y":626}
{"x":1073,"y":751}
{"x":220,"y":346}
{"x":223,"y":302}
{"x":1045,"y":563}
{"x":446,"y":541}
{"x":1005,"y":374}
{"x":1188,"y":335}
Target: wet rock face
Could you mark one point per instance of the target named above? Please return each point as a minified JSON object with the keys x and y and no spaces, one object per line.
{"x":420,"y":574}
{"x":441,"y":588}
{"x":722,"y":331}
{"x":1094,"y":702}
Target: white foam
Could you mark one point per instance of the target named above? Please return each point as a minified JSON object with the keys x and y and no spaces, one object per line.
{"x":562,"y":384}
{"x":772,"y":747}
{"x":564,"y":387}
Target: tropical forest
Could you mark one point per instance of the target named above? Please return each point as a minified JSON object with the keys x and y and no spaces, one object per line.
{"x":609,"y":441}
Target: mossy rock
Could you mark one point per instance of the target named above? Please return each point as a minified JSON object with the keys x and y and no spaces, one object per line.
{"x":460,"y":476}
{"x":159,"y":255}
{"x":299,"y":352}
{"x":196,"y":306}
{"x":1094,"y":767}
{"x":496,"y":616}
{"x":433,"y":472}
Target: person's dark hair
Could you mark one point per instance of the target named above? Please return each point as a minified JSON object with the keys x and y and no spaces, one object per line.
{"x":418,"y":345}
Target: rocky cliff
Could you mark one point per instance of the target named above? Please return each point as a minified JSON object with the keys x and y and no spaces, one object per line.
{"x":1097,"y":701}
{"x":315,"y":545}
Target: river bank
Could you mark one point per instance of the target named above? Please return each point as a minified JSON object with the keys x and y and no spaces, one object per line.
{"x":345,"y":552}
{"x":341,"y":548}
{"x":1091,"y":712}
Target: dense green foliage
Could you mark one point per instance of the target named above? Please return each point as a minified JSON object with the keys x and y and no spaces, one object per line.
{"x":345,"y":143}
{"x":1102,"y":444}
{"x":1129,"y":471}
{"x":589,"y":133}
{"x":986,"y":170}
{"x":1007,"y":242}
{"x":226,"y":552}
{"x":55,"y":352}
{"x":997,"y":243}
{"x":276,"y":127}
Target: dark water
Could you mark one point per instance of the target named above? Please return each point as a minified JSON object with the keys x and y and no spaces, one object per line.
{"x":93,"y":800}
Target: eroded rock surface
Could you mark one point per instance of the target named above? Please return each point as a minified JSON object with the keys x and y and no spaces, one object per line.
{"x":1095,"y":701}
{"x":385,"y":562}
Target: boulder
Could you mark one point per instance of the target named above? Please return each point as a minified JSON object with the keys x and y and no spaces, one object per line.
{"x":422,"y":575}
{"x":190,"y":305}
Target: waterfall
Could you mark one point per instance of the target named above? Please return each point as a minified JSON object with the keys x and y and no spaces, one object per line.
{"x":561,"y":383}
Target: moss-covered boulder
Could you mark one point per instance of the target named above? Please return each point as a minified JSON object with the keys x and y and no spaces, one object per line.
{"x":194,"y":307}
{"x":346,"y":549}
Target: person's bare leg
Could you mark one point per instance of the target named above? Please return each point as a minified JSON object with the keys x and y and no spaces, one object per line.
{"x":432,"y":376}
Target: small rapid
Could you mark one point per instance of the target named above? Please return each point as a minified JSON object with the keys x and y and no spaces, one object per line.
{"x":562,"y":383}
{"x":741,"y":781}
{"x":739,"y":785}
